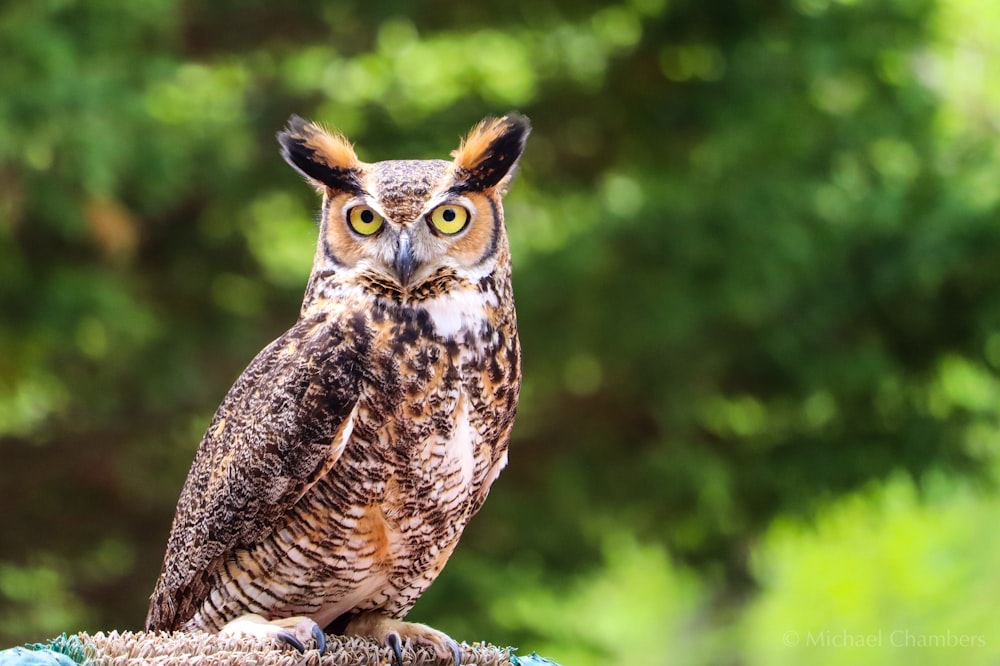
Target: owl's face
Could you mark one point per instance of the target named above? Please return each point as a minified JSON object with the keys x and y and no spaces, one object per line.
{"x":401,"y":224}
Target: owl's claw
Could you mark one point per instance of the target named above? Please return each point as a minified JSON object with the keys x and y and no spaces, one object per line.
{"x":393,"y":640}
{"x":320,"y":638}
{"x":288,"y":637}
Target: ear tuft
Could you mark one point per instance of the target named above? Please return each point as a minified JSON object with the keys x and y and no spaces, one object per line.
{"x":490,"y":152}
{"x":325,"y":158}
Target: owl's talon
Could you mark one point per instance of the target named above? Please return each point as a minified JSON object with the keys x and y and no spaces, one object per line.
{"x":397,"y":633}
{"x":287,"y":637}
{"x":295,"y":631}
{"x":320,"y":638}
{"x":393,"y":640}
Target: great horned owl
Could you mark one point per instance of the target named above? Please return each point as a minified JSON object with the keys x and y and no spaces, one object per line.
{"x":343,"y":465}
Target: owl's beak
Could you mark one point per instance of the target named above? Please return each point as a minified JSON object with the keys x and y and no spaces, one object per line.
{"x":404,"y":263}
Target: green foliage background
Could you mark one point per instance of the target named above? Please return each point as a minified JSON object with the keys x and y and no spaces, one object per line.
{"x":757,"y":264}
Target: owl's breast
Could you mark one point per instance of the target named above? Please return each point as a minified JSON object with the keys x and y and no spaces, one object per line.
{"x":438,"y":401}
{"x":425,"y":405}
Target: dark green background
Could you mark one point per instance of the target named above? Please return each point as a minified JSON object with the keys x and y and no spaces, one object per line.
{"x":757,"y":269}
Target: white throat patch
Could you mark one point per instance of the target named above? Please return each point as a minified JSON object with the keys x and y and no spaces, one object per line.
{"x":459,"y":311}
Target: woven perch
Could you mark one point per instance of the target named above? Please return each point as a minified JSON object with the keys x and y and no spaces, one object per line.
{"x":203,"y":649}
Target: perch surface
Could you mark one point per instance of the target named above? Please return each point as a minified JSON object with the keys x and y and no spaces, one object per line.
{"x":203,"y":649}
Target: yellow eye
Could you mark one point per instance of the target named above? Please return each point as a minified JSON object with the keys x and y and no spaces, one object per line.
{"x":364,"y":220}
{"x":449,"y":218}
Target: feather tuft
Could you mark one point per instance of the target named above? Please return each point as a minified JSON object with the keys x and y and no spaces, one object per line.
{"x":490,"y":151}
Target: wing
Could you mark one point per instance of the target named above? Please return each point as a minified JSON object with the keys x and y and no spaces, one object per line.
{"x":281,"y":427}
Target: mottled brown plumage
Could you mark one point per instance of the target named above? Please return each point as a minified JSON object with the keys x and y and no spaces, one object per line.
{"x":343,"y":465}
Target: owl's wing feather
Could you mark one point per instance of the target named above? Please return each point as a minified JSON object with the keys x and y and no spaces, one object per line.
{"x":281,"y":427}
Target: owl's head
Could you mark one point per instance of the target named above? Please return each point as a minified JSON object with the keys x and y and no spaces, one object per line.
{"x":403,"y":224}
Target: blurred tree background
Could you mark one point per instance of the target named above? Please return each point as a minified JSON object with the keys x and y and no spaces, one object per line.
{"x":757,"y":264}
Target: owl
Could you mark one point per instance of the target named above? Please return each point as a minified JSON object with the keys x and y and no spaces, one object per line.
{"x":337,"y":476}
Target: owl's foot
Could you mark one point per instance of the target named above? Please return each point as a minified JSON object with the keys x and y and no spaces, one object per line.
{"x":294,"y":631}
{"x":396,"y":633}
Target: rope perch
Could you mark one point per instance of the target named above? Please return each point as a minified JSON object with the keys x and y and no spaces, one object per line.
{"x":204,"y":649}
